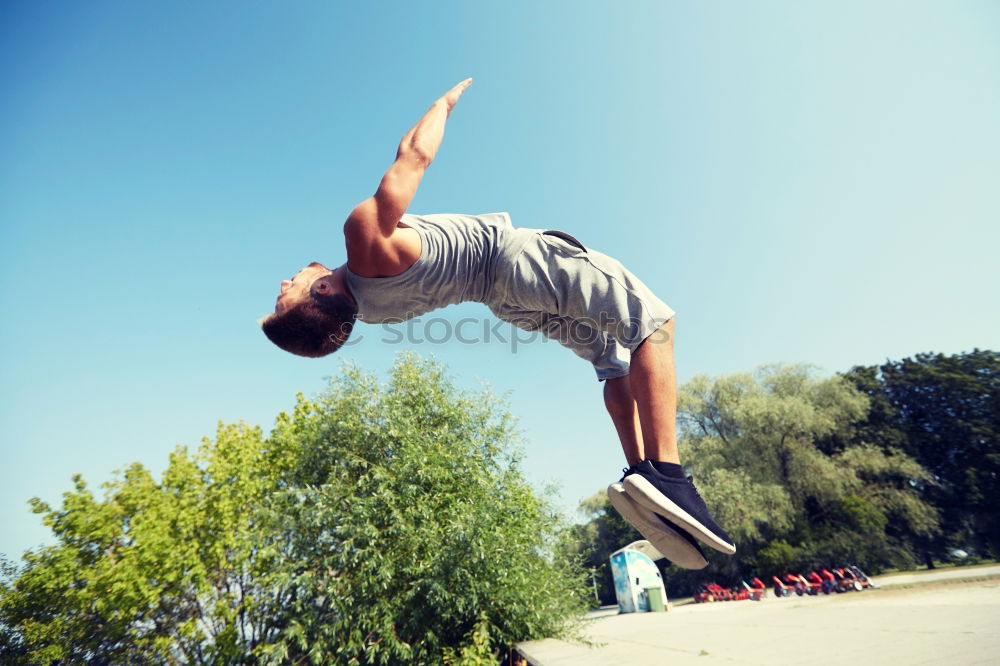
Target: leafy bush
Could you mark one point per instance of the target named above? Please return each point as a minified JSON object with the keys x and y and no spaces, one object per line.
{"x":378,"y":524}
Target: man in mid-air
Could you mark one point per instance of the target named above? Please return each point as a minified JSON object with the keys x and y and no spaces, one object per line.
{"x":401,"y":265}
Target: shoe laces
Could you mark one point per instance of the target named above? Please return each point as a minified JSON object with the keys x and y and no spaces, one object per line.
{"x":626,"y":471}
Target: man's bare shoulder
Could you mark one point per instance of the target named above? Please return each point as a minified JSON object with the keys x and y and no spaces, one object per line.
{"x":374,"y":255}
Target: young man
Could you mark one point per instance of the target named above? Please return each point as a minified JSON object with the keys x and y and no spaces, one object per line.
{"x":400,"y":266}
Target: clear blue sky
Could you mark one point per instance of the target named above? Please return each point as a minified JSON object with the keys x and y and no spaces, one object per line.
{"x":813,"y":182}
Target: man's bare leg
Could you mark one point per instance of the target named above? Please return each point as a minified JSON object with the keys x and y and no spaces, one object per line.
{"x":672,"y":542}
{"x":653,"y":385}
{"x":660,"y":484}
{"x":625,"y":415}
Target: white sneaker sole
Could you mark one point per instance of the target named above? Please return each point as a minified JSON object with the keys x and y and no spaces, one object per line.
{"x":668,"y":542}
{"x":644,"y":493}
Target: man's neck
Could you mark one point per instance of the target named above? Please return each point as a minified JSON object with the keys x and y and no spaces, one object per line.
{"x":340,"y":281}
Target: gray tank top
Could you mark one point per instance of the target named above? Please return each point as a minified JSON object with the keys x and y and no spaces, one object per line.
{"x":462,"y":258}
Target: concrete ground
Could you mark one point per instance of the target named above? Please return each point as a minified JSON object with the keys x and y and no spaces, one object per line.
{"x":903,"y":622}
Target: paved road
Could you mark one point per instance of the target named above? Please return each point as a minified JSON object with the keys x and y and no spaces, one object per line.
{"x":955,"y":624}
{"x":945,"y":574}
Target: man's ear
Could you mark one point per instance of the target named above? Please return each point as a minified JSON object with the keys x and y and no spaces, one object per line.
{"x":322,"y":286}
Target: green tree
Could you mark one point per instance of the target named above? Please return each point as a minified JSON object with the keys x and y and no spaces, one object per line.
{"x":379,"y":524}
{"x":802,"y":471}
{"x":753,"y":443}
{"x":165,"y":572}
{"x":944,"y":411}
{"x":409,"y":522}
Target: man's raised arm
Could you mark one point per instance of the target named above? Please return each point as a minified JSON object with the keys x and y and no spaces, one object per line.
{"x":375,"y":218}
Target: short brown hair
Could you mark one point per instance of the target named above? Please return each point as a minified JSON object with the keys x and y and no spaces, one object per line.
{"x":317,"y":326}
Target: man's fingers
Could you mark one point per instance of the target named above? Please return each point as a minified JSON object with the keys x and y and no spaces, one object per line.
{"x":451,"y":97}
{"x":460,"y":88}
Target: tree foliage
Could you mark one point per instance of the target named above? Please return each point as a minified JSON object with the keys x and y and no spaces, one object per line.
{"x":410,"y":520}
{"x":156,"y":571}
{"x":377,"y":524}
{"x":759,"y":448}
{"x":753,"y":444}
{"x":944,"y":411}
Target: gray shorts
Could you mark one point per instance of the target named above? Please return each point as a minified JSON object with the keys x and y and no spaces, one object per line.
{"x":583,"y":299}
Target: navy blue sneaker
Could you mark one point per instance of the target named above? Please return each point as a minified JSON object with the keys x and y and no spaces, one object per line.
{"x":673,"y":543}
{"x":677,"y":500}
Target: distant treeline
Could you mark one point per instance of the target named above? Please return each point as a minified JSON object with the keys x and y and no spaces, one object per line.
{"x":881,"y":466}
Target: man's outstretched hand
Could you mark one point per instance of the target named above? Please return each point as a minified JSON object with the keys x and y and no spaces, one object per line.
{"x":450,"y":98}
{"x":373,"y":222}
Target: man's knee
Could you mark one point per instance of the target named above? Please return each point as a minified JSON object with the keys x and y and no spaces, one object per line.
{"x":664,"y":335}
